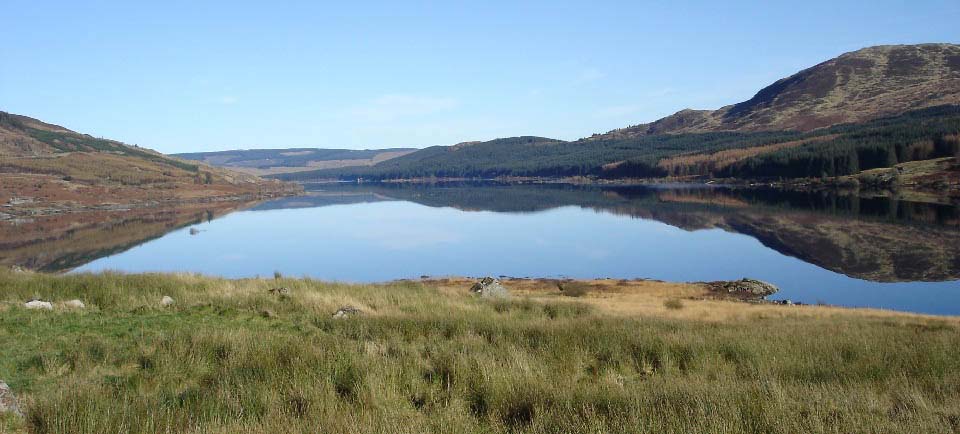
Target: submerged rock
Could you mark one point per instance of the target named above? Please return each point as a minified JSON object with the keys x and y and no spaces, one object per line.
{"x":166,"y":301}
{"x":489,"y":287}
{"x":745,"y":288}
{"x":8,"y":401}
{"x":346,"y":311}
{"x":38,"y":304}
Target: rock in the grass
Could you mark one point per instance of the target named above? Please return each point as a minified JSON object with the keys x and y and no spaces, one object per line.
{"x":489,"y":287}
{"x":747,"y":288}
{"x":346,"y":312}
{"x":74,"y":304}
{"x":283,"y":290}
{"x":38,"y":304}
{"x":8,"y":401}
{"x":166,"y":301}
{"x":17,"y":269}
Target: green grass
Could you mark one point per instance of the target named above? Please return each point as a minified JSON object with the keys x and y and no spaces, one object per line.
{"x":422,"y":360}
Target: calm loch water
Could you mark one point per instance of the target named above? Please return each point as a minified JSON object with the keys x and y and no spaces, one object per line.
{"x":842,"y":250}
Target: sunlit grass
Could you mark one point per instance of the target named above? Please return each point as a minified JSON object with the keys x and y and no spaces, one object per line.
{"x":421,"y":359}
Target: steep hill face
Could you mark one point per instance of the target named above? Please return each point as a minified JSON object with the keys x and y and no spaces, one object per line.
{"x":47,"y":169}
{"x":855,"y":87}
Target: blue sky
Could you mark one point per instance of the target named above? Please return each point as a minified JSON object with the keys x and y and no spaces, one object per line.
{"x":178,"y":76}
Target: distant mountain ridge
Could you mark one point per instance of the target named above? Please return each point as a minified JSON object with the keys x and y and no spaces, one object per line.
{"x":858,"y":86}
{"x":272,"y":161}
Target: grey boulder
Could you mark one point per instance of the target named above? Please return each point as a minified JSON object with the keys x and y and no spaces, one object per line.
{"x":8,"y":401}
{"x":346,"y":312}
{"x":38,"y":304}
{"x":747,"y":288}
{"x":74,"y":304}
{"x":489,"y":287}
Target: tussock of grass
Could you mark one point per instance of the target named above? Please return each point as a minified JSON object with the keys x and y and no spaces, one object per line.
{"x":574,"y":289}
{"x":420,"y":360}
{"x":673,"y":304}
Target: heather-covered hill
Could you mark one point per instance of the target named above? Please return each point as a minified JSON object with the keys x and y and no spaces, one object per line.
{"x":855,"y":87}
{"x":47,"y":169}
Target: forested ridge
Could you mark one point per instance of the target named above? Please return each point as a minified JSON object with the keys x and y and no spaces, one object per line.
{"x":913,"y":136}
{"x":838,"y":150}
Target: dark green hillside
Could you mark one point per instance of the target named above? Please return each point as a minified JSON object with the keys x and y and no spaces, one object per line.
{"x":839,"y":150}
{"x":918,"y":135}
{"x":537,"y":156}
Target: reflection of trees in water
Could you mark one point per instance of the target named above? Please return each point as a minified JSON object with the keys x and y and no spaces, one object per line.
{"x":500,"y":197}
{"x":875,"y":238}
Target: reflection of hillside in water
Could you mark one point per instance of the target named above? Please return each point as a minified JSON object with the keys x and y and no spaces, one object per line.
{"x":878,"y":239}
{"x":66,"y":241}
{"x":874,"y":238}
{"x":318,"y":198}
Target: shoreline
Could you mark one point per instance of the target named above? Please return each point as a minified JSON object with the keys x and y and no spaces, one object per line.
{"x":844,"y":185}
{"x":647,"y":297}
{"x":619,"y":297}
{"x":15,"y":211}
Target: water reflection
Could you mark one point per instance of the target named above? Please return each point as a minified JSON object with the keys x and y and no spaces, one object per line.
{"x":876,"y":238}
{"x":879,"y":239}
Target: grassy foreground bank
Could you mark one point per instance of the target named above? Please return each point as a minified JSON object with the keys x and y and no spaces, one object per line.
{"x":231,"y":357}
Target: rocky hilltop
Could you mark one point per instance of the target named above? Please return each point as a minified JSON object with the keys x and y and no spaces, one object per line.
{"x":855,"y":87}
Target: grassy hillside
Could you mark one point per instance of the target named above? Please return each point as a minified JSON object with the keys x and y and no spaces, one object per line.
{"x":271,"y":161}
{"x":27,"y":137}
{"x":230,"y":357}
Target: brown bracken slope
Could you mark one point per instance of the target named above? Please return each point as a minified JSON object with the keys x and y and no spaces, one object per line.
{"x":47,"y":169}
{"x":858,"y":86}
